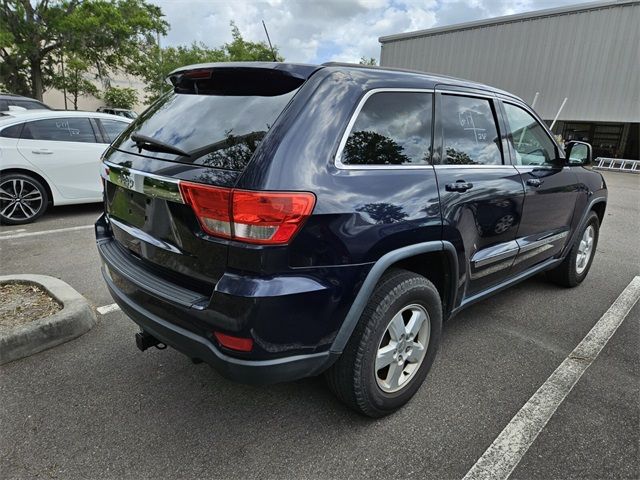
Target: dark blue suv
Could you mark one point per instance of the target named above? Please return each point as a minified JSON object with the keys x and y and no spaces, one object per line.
{"x":280,"y":220}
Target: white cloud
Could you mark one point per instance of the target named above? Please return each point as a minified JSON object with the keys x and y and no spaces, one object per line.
{"x":325,"y":30}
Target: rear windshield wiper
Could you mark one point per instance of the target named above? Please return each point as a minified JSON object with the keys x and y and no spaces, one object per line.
{"x":151,"y":144}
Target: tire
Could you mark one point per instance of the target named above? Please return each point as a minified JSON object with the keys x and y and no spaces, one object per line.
{"x":355,"y":379}
{"x":32,"y":199}
{"x":574,"y":268}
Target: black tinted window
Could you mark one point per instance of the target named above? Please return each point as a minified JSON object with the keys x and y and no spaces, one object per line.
{"x":531,"y":144}
{"x":60,"y":129}
{"x":393,"y":128}
{"x":12,"y":132}
{"x":469,"y":130}
{"x":29,"y":105}
{"x":216,"y":130}
{"x":113,"y":128}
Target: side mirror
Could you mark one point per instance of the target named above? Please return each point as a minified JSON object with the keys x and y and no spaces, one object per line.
{"x":578,"y":153}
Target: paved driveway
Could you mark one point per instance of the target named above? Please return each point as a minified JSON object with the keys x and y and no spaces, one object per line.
{"x":96,"y":407}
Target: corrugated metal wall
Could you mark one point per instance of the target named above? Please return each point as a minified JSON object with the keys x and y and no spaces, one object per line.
{"x":591,"y":57}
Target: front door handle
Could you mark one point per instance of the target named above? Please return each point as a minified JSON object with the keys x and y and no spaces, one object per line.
{"x":459,"y":186}
{"x":42,"y":151}
{"x":534,"y":182}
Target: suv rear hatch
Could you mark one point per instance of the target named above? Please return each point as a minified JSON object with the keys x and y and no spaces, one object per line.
{"x":205,"y":132}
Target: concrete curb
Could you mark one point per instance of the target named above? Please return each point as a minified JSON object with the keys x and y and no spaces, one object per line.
{"x":75,"y":319}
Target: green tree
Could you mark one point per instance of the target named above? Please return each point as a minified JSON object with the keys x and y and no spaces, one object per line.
{"x":458,"y":157}
{"x":370,"y":148}
{"x":74,"y":82}
{"x":117,"y":97}
{"x":367,"y":61}
{"x":158,"y":63}
{"x":108,"y":34}
{"x":240,"y":50}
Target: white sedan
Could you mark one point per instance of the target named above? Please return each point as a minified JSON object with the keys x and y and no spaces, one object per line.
{"x":51,"y":157}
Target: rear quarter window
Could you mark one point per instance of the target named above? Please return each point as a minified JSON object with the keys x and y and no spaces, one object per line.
{"x":392,"y":128}
{"x":13,"y":131}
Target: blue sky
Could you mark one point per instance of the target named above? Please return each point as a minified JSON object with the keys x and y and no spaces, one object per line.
{"x":329,"y":30}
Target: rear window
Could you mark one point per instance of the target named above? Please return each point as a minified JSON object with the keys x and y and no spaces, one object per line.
{"x":220,"y":131}
{"x":29,"y":105}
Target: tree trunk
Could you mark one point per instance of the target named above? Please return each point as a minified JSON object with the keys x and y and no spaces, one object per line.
{"x":37,"y":89}
{"x":75,"y":92}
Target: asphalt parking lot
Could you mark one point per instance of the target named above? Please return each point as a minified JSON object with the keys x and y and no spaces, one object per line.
{"x":96,"y":407}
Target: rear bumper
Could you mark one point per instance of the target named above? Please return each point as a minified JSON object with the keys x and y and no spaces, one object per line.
{"x":196,"y":346}
{"x":292,"y":318}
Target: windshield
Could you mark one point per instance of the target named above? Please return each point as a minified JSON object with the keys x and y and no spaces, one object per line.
{"x":215,"y":130}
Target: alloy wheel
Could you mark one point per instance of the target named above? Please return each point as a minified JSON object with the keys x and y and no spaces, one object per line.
{"x":19,"y":199}
{"x":402,"y":348}
{"x":585,"y":249}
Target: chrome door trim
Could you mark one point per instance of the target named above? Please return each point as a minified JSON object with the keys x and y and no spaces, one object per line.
{"x":521,"y":249}
{"x":496,"y":258}
{"x":474,"y":166}
{"x":142,"y":182}
{"x":544,"y":241}
{"x":471,"y":93}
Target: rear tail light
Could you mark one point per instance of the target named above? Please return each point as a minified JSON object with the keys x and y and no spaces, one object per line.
{"x":211,"y":206}
{"x":256,"y":217}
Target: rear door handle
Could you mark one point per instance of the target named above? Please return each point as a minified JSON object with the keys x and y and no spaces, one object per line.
{"x":42,"y":151}
{"x":534,"y":182}
{"x":459,"y":186}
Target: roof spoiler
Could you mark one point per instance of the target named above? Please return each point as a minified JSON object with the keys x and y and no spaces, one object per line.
{"x":240,"y":78}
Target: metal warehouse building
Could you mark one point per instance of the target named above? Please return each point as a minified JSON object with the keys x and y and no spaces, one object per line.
{"x":587,"y":53}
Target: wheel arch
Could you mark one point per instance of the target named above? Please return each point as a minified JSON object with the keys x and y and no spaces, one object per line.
{"x":33,"y":174}
{"x":599,"y":207}
{"x":418,"y":258}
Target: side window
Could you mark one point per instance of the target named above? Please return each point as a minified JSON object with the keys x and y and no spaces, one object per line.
{"x":12,"y":132}
{"x":529,"y":139}
{"x":469,"y":131}
{"x":392,"y":128}
{"x":60,"y":129}
{"x":28,"y":105}
{"x":113,"y":128}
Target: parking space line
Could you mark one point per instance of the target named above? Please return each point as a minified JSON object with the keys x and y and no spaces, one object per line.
{"x":13,"y":231}
{"x":504,"y":454}
{"x":43,"y":232}
{"x":108,"y":309}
